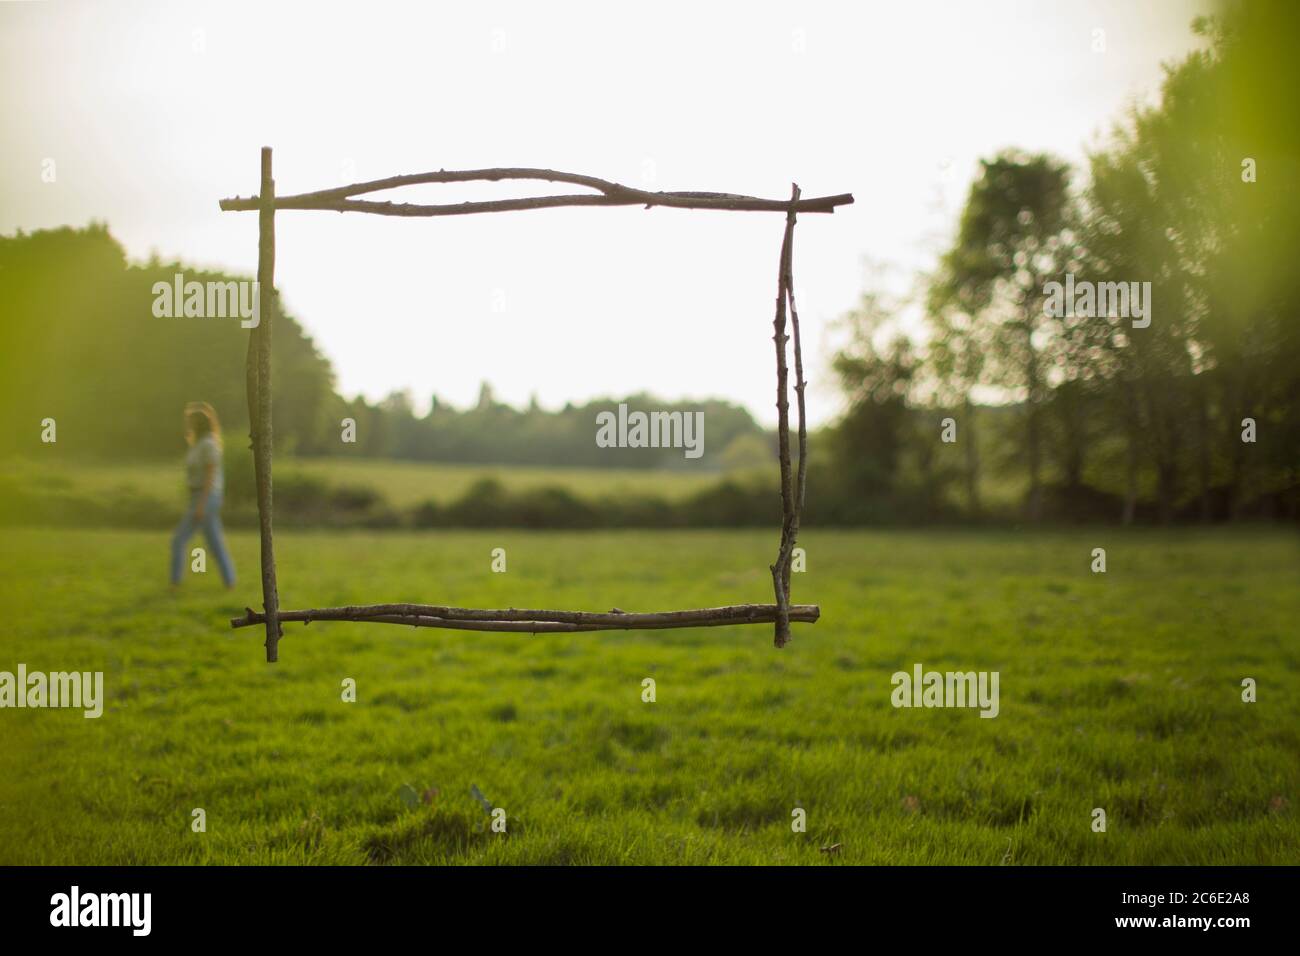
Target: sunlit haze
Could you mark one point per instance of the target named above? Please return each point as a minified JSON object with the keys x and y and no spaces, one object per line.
{"x":153,"y":112}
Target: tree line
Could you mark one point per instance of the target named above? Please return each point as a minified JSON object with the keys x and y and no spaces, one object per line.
{"x":83,"y":343}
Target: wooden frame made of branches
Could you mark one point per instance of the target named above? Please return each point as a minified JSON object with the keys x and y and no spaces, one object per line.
{"x":535,"y":621}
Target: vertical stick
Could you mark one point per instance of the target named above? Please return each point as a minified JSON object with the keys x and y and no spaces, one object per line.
{"x":781,"y":569}
{"x":800,"y":385}
{"x":259,"y":400}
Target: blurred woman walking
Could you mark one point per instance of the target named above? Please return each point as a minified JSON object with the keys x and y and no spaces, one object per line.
{"x":204,"y":478}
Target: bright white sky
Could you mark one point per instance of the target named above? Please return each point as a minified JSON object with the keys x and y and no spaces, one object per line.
{"x":153,"y":111}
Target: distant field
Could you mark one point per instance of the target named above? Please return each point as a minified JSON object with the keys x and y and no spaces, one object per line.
{"x":403,"y":484}
{"x":1120,"y":691}
{"x":409,"y":483}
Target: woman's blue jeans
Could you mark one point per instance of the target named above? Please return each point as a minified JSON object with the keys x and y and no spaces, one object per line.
{"x":211,"y":524}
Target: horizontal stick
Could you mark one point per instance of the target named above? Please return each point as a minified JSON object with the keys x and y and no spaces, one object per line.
{"x":608,"y":194}
{"x":671,"y":200}
{"x":536,"y":621}
{"x":463,"y":176}
{"x":457,"y":209}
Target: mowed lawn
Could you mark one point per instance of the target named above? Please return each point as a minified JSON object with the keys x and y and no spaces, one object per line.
{"x":1119,"y":690}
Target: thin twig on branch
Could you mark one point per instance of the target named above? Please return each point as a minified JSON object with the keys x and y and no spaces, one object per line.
{"x":533,"y":620}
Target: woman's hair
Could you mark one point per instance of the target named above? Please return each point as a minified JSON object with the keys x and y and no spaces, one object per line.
{"x":201,"y":420}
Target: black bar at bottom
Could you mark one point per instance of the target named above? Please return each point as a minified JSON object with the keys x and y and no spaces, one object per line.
{"x":330,"y":905}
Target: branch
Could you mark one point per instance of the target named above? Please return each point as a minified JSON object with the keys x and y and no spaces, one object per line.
{"x":607,"y":194}
{"x":259,"y":414}
{"x":535,"y":621}
{"x":454,"y":209}
{"x":781,"y":568}
{"x":800,"y":385}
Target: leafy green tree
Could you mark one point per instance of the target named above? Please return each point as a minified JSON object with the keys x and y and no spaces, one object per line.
{"x":80,"y":342}
{"x":1177,"y":197}
{"x":1013,"y":237}
{"x":870,"y":440}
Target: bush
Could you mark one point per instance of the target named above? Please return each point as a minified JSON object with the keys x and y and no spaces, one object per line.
{"x":480,"y":507}
{"x":730,"y":504}
{"x":551,"y":507}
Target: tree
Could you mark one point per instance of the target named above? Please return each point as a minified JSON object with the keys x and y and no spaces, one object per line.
{"x":956,"y":358}
{"x":1177,"y":198}
{"x":1012,"y":238}
{"x":868,"y":442}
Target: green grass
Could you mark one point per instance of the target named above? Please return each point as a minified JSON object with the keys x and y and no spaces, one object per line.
{"x":1118,"y":691}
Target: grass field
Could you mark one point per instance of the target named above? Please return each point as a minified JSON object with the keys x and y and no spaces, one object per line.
{"x":402,"y":483}
{"x":1120,"y":691}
